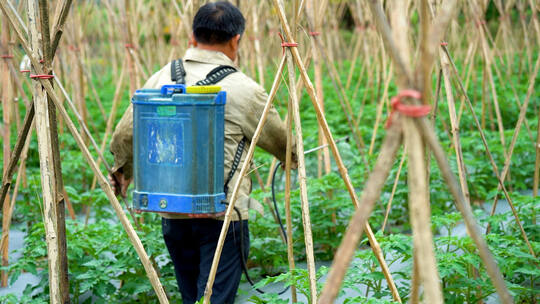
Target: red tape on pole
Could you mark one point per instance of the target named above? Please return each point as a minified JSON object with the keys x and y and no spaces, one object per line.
{"x":38,"y":76}
{"x":405,"y":109}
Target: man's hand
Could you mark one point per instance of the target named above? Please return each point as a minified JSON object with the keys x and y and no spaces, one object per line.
{"x":119,"y":183}
{"x":294,"y":165}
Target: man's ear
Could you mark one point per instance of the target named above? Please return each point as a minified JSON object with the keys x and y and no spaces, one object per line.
{"x":235,"y":41}
{"x":192,"y":40}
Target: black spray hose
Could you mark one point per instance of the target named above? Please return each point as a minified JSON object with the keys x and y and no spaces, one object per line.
{"x":243,"y":257}
{"x":276,"y":210}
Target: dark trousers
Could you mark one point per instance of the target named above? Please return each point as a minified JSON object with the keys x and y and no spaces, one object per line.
{"x":192,"y":244}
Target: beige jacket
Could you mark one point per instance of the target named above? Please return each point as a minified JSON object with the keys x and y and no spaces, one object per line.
{"x":245,"y":103}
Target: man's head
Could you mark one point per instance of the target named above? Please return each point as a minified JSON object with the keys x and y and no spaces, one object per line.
{"x":218,"y":26}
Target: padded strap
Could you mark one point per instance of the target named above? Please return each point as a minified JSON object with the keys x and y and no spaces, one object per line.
{"x":236,"y":162}
{"x":216,"y":75}
{"x":178,"y":74}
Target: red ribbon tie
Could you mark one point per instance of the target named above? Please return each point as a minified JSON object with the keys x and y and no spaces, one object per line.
{"x":39,"y":76}
{"x":405,"y":109}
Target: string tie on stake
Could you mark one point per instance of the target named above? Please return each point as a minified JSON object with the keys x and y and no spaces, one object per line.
{"x":314,"y":33}
{"x":41,"y":76}
{"x":6,"y":56}
{"x":129,"y":46}
{"x":444,"y":43}
{"x":285,"y":44}
{"x":405,"y":109}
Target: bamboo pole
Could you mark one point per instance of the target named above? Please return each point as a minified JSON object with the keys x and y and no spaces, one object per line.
{"x":394,"y":187}
{"x":228,"y":214}
{"x":151,"y":273}
{"x":7,"y":105}
{"x":58,"y":186}
{"x":46,"y":164}
{"x":288,"y":215}
{"x":462,"y":172}
{"x":306,"y":219}
{"x":420,"y":213}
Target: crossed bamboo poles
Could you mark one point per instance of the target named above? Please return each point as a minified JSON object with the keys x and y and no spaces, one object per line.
{"x":42,"y":91}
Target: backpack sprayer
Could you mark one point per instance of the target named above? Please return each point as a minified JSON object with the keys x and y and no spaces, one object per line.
{"x":178,"y":149}
{"x":178,"y":145}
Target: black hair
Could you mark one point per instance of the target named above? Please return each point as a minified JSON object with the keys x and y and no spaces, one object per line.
{"x":217,"y":23}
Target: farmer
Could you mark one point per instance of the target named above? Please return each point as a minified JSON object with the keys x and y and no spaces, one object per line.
{"x":217,"y":29}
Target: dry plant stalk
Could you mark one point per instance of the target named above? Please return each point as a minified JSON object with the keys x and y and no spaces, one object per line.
{"x":234,"y":195}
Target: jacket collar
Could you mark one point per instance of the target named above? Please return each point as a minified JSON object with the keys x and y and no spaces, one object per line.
{"x":207,"y":56}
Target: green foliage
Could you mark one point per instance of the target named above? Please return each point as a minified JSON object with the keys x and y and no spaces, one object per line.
{"x":102,"y":264}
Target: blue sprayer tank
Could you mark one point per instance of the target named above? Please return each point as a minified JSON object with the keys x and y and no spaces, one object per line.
{"x":178,"y":150}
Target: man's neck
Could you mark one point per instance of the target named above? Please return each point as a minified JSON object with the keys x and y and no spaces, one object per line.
{"x":217,"y":48}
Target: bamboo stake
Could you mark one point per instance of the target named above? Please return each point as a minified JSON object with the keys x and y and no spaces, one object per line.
{"x":58,"y":186}
{"x":380,"y":107}
{"x":420,"y":213}
{"x":394,"y":187}
{"x":536,"y":168}
{"x":228,"y":214}
{"x":7,"y":103}
{"x":154,"y":280}
{"x":257,"y":45}
{"x":46,"y":164}
{"x":288,"y":215}
{"x":306,"y":220}
{"x":462,"y":173}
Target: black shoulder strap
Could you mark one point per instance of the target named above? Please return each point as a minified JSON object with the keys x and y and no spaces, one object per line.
{"x":236,"y":162}
{"x":178,"y":74}
{"x":216,"y":75}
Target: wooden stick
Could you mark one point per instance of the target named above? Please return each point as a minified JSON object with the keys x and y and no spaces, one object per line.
{"x":420,"y":213}
{"x":462,"y":173}
{"x":7,"y":106}
{"x":55,"y":153}
{"x":151,"y":273}
{"x":306,"y":219}
{"x":288,"y":215}
{"x":46,"y":164}
{"x":234,"y":195}
{"x":394,"y":187}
